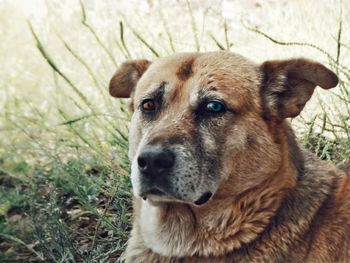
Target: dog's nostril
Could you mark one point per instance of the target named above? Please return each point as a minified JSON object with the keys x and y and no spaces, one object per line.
{"x":142,"y":163}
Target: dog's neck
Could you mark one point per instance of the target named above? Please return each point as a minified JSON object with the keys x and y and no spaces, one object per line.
{"x":222,"y":225}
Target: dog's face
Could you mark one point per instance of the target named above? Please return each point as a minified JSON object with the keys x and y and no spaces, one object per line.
{"x":202,"y":122}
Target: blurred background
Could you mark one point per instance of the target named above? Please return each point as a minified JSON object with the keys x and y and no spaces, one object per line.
{"x":64,"y":187}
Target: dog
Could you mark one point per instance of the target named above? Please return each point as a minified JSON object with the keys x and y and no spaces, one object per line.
{"x":217,"y":173}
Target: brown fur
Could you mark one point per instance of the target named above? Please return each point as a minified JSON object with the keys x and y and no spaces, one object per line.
{"x":185,"y":70}
{"x":122,"y":84}
{"x":275,"y":202}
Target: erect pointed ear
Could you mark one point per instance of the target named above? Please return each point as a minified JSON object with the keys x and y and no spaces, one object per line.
{"x":288,"y":85}
{"x":126,"y":77}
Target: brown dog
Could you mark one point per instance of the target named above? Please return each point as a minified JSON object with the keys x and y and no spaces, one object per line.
{"x":216,"y":171}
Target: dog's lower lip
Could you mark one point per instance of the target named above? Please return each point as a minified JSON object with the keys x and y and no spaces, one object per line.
{"x":204,"y":198}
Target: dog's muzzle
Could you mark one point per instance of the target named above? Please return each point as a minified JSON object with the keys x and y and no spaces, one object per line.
{"x":155,"y":164}
{"x":163,"y":175}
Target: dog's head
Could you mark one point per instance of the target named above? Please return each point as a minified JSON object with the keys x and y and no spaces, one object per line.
{"x":202,"y":121}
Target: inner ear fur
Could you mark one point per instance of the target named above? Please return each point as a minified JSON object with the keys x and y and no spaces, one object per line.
{"x":288,"y":84}
{"x":126,"y":77}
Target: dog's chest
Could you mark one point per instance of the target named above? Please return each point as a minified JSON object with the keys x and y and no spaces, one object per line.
{"x":164,"y":239}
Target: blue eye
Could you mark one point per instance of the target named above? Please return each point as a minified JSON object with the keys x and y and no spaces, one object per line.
{"x":215,"y":107}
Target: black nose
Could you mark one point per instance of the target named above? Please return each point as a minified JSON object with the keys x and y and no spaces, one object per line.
{"x":155,"y":160}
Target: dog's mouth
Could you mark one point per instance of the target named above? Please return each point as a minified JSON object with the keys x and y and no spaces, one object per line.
{"x":153,"y":191}
{"x":203,"y":199}
{"x":157,"y":194}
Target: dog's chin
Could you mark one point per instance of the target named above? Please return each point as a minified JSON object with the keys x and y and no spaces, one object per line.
{"x":161,"y":199}
{"x":156,"y":200}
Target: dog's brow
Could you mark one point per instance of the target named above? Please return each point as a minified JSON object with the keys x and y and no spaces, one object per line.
{"x":157,"y":92}
{"x":208,"y":94}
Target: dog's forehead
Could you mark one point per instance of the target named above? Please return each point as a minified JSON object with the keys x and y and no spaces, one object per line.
{"x":222,"y":72}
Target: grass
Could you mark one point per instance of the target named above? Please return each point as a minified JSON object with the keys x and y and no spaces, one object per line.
{"x":64,"y":186}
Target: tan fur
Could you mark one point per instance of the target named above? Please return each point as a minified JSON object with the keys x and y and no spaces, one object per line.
{"x":274,"y":202}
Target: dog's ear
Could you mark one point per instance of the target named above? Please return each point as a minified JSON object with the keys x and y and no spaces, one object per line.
{"x":126,"y":77}
{"x":288,"y":85}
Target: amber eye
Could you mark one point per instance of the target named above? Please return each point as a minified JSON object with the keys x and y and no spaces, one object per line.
{"x":148,"y":105}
